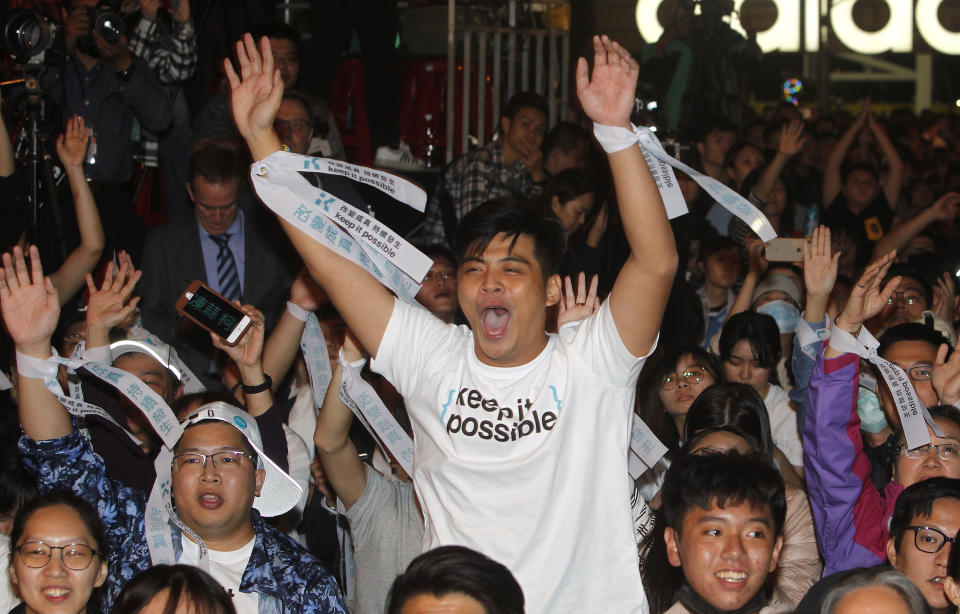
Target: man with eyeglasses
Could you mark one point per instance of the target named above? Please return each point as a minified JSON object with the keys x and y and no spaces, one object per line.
{"x":221,"y":481}
{"x":923,"y":527}
{"x":223,"y":246}
{"x":907,"y":303}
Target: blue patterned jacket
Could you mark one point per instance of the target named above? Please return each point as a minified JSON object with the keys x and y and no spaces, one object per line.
{"x":288,"y":579}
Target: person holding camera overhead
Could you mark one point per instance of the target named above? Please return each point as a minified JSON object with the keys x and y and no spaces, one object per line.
{"x":104,"y":83}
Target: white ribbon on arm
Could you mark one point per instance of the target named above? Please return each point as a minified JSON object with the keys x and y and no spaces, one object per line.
{"x":914,"y":417}
{"x":340,"y":226}
{"x":367,"y":406}
{"x":661,"y":166}
{"x":164,"y":423}
{"x":355,"y":393}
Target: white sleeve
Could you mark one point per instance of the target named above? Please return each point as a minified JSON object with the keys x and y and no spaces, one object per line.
{"x":598,"y":343}
{"x":413,"y":335}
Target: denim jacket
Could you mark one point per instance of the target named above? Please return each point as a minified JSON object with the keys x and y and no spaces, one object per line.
{"x":287,"y":578}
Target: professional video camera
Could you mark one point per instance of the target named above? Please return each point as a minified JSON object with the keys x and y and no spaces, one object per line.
{"x":27,"y":36}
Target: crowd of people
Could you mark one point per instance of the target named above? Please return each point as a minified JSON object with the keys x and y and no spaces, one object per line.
{"x":494,"y":455}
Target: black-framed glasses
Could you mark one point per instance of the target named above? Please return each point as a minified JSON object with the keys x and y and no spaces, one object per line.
{"x":226,"y":459}
{"x":930,"y":540}
{"x":692,"y":377}
{"x":74,"y":556}
{"x":920,"y":373}
{"x":946,"y":452}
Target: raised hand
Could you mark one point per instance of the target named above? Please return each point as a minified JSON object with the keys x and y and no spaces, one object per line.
{"x":149,"y":8}
{"x":255,"y":94}
{"x":72,"y":144}
{"x":182,"y":13}
{"x":247,"y":352}
{"x":946,"y":376}
{"x":29,"y":303}
{"x":946,"y":207}
{"x":867,"y":298}
{"x":945,"y":299}
{"x":819,"y":265}
{"x":791,"y":137}
{"x":583,"y":304}
{"x":305,"y":293}
{"x":608,"y":96}
{"x":111,"y":304}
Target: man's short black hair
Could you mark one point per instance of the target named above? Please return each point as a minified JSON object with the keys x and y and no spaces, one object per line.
{"x":910,"y":331}
{"x":714,"y":124}
{"x":565,"y":136}
{"x":279,"y":30}
{"x":456,"y":569}
{"x":917,"y":501}
{"x":730,"y":478}
{"x":757,"y":328}
{"x":303,"y":100}
{"x":513,"y":218}
{"x":525,"y":100}
{"x":216,"y":163}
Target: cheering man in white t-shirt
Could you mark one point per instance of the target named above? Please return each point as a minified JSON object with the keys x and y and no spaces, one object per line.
{"x":521,"y":437}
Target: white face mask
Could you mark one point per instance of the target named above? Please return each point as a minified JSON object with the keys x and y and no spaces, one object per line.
{"x":784,"y":312}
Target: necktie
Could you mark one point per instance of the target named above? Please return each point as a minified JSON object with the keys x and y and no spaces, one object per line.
{"x":227,"y":275}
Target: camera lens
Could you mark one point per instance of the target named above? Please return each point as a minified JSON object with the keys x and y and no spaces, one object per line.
{"x":109,"y":25}
{"x":24,"y":34}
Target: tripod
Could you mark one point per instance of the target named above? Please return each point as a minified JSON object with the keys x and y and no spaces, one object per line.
{"x":32,"y":146}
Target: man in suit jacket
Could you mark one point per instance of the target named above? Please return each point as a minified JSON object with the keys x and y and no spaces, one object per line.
{"x":222,"y":245}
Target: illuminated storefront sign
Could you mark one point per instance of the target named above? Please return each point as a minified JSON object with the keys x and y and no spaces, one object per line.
{"x":784,"y":34}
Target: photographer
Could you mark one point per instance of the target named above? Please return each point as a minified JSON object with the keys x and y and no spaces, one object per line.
{"x":106,"y":85}
{"x":167,"y":42}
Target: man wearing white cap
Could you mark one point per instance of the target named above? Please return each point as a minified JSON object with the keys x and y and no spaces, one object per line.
{"x":221,"y":481}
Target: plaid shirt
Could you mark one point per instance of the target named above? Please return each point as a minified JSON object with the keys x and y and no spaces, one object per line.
{"x":172,"y":56}
{"x":473,"y":179}
{"x":287,"y":578}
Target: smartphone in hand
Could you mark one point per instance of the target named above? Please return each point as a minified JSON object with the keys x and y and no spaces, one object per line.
{"x":211,"y":311}
{"x":785,"y":250}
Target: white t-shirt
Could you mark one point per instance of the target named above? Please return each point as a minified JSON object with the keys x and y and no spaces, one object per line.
{"x":227,"y":569}
{"x":525,"y":464}
{"x":783,"y":424}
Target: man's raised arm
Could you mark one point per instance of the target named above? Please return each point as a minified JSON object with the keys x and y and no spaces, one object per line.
{"x":640,"y":292}
{"x":255,"y":96}
{"x":31,"y":309}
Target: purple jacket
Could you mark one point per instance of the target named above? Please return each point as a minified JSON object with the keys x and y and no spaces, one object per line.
{"x":851,"y":516}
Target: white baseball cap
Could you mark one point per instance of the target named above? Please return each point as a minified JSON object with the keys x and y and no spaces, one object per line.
{"x":279,"y":492}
